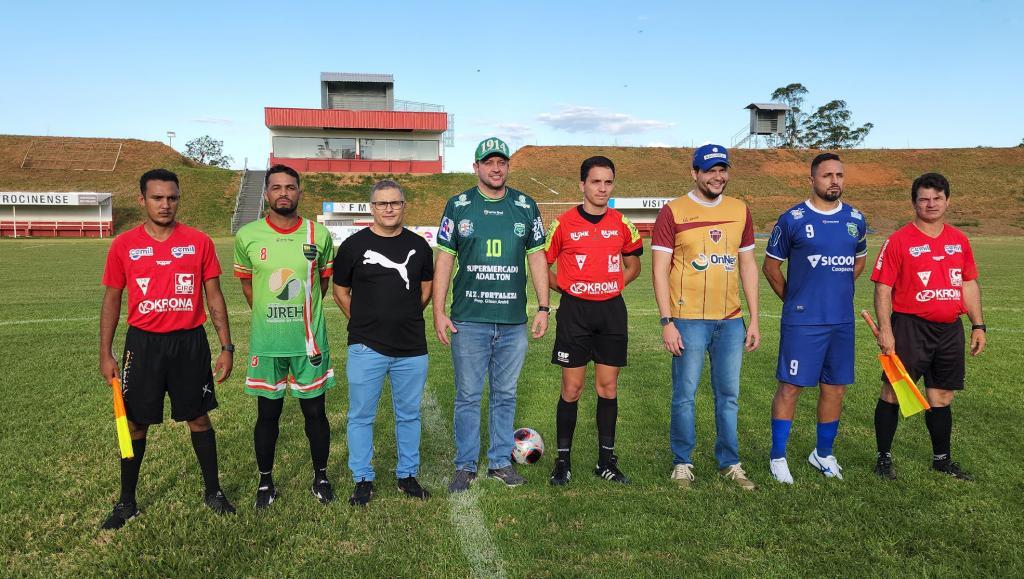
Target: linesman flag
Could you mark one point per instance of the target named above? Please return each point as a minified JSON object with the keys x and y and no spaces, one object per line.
{"x":124,"y":438}
{"x":909,"y":397}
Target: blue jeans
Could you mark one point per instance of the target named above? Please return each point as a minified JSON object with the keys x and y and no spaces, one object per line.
{"x":366,"y":369}
{"x":723,"y":341}
{"x":497,"y":352}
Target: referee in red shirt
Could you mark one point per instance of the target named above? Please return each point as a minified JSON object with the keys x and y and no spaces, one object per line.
{"x":925,"y":278}
{"x":598,"y":251}
{"x":165,"y":266}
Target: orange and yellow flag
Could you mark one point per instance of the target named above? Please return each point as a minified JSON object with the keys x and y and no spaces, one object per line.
{"x":124,"y":438}
{"x":909,"y":397}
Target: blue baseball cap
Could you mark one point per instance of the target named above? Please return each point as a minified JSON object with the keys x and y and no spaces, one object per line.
{"x":707,"y":156}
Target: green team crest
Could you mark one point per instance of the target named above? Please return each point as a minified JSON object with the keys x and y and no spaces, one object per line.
{"x":851,"y":228}
{"x":519,"y":229}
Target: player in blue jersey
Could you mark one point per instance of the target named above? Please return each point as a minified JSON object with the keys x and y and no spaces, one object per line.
{"x":824,"y":241}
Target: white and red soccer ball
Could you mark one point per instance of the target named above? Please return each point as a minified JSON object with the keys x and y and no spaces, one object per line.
{"x":529,"y":446}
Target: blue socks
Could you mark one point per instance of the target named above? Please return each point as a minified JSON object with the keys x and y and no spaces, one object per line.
{"x":826,"y":437}
{"x":780,"y":436}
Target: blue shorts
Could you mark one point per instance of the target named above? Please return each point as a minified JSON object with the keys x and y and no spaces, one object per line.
{"x":812,"y":354}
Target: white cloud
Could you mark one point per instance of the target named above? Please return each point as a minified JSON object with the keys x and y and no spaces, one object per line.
{"x":514,"y":131}
{"x":575,"y":119}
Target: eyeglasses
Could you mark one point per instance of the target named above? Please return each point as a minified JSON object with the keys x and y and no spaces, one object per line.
{"x":385,"y":204}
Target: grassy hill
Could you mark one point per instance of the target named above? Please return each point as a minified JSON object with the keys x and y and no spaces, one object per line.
{"x":987,"y":183}
{"x":208,"y":193}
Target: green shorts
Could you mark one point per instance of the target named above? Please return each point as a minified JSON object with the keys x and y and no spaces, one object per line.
{"x":270,"y":376}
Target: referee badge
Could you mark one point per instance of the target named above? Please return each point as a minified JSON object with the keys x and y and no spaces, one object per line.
{"x":309,"y":250}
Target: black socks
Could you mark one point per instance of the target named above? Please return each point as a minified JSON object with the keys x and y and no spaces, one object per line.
{"x":130,"y":472}
{"x":940,"y":426}
{"x":887,"y":417}
{"x":607,"y":414}
{"x":318,"y":430}
{"x":565,"y":426}
{"x":205,"y":446}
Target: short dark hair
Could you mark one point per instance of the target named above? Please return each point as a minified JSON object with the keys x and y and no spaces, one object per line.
{"x":929,"y":181}
{"x":156,"y":175}
{"x":595,"y":161}
{"x":281,"y":169}
{"x":822,"y":158}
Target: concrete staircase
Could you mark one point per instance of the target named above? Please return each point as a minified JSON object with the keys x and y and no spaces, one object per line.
{"x":249,"y":203}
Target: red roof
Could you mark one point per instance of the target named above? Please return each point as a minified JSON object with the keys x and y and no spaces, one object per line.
{"x":346,"y":119}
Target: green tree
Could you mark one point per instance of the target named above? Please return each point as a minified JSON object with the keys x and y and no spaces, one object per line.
{"x":208,"y":151}
{"x":791,"y":95}
{"x":830,"y":128}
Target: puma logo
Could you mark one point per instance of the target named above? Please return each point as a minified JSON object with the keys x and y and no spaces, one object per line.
{"x":373,"y":257}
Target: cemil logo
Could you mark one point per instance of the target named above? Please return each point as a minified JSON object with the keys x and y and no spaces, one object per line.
{"x":137,"y":253}
{"x":180,"y":251}
{"x":284,"y":286}
{"x":917,"y":250}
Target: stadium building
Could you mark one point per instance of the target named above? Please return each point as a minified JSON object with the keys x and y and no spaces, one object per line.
{"x":360,"y":128}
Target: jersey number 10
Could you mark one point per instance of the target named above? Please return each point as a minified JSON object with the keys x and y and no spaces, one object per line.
{"x":493,"y":248}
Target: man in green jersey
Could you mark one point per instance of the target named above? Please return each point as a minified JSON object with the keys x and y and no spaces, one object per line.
{"x":494,"y":231}
{"x":284,"y":263}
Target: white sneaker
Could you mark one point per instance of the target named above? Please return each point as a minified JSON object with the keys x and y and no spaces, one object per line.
{"x":827,"y":465}
{"x":780,"y":470}
{"x":682,"y":474}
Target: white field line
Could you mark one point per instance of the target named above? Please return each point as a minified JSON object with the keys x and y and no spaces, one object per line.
{"x":475,"y":539}
{"x":94,"y":318}
{"x":544,"y":186}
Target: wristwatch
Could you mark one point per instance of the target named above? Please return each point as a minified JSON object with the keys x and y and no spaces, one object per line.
{"x":228,"y":348}
{"x":545,"y":309}
{"x":666,"y":321}
{"x":979,"y":327}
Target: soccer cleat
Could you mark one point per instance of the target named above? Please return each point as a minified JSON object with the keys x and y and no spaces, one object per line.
{"x":411,"y":487}
{"x":884,"y":468}
{"x":826,"y":465}
{"x":265,"y":496}
{"x":735,"y":473}
{"x":611,"y":472}
{"x":507,"y":475}
{"x":461,"y":480}
{"x":362,"y":495}
{"x":682,"y":474}
{"x":123,"y":512}
{"x":323,"y":491}
{"x":947,"y":466}
{"x":780,"y":470}
{"x":562,"y":473}
{"x":219,"y":503}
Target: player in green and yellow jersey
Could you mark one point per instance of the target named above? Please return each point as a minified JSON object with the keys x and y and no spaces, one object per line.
{"x":284,"y":263}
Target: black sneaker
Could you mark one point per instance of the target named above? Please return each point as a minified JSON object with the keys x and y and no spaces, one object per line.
{"x":411,"y":487}
{"x":219,"y":503}
{"x":322,"y":490}
{"x":507,"y":475}
{"x":461,"y":480}
{"x":884,"y":468}
{"x":562,"y":473}
{"x":265,"y":496}
{"x":947,"y":466}
{"x":123,"y":512}
{"x":362,"y":495}
{"x":611,"y":472}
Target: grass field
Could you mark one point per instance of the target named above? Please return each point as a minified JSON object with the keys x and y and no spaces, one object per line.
{"x":61,"y":475}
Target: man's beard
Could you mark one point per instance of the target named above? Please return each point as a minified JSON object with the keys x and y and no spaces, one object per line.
{"x":830,"y":196}
{"x":284,"y":211}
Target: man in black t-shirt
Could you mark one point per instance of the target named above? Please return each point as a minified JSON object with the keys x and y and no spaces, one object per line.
{"x":382,"y":281}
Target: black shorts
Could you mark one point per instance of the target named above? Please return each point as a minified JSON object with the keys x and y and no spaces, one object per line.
{"x":588,"y":330}
{"x":930,"y":349}
{"x":177,"y":363}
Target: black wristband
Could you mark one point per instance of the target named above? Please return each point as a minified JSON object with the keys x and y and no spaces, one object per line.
{"x":545,"y":309}
{"x":979,"y":327}
{"x":666,"y":321}
{"x":228,"y":348}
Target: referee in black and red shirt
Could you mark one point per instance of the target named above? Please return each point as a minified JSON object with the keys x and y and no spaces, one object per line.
{"x":165,"y":266}
{"x":925,"y":278}
{"x":597,"y":251}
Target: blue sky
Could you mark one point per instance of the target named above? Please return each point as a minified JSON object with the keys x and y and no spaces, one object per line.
{"x":927,"y":74}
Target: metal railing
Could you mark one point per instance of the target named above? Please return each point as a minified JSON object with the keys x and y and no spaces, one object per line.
{"x":417,"y":107}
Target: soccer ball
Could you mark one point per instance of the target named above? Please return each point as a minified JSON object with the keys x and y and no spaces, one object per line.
{"x":529,"y":446}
